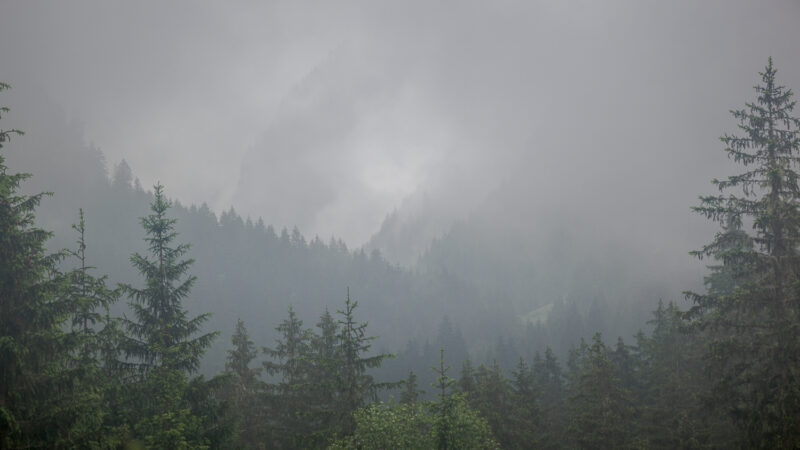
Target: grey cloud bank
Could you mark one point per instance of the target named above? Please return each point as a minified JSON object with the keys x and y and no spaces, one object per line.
{"x":328,"y":116}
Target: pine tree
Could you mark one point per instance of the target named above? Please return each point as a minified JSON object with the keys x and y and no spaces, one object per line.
{"x":357,"y":386}
{"x":411,"y":391}
{"x":162,"y":339}
{"x":162,"y":332}
{"x":455,"y":424}
{"x":290,"y":397}
{"x":96,"y":342}
{"x":90,"y":299}
{"x":36,"y":409}
{"x":549,"y":380}
{"x":524,"y":427}
{"x":444,"y":407}
{"x":492,"y":400}
{"x":672,"y":387}
{"x":466,"y":380}
{"x":243,"y":388}
{"x":240,"y":357}
{"x":754,"y":322}
{"x":419,"y":425}
{"x":326,"y":365}
{"x":600,"y":406}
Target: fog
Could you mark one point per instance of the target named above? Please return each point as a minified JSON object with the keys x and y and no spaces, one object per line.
{"x":499,"y":183}
{"x":330,"y":116}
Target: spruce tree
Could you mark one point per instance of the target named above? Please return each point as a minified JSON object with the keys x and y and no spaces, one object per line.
{"x":243,"y":388}
{"x":357,"y":386}
{"x":411,"y":391}
{"x":599,"y":405}
{"x":672,"y":387}
{"x":162,"y":337}
{"x":240,"y":357}
{"x":455,"y":424}
{"x":524,"y":427}
{"x":492,"y":399}
{"x":466,"y":381}
{"x":36,"y":408}
{"x":96,"y":339}
{"x":443,"y":408}
{"x":549,"y":380}
{"x":290,"y":398}
{"x":754,"y":321}
{"x":90,"y":300}
{"x":326,"y":365}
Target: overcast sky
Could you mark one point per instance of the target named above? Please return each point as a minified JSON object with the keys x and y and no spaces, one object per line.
{"x":329,"y":115}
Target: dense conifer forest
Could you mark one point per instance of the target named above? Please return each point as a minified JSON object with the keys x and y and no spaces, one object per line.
{"x":223,"y":332}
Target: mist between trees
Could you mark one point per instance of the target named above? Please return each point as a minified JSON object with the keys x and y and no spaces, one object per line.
{"x":164,"y":326}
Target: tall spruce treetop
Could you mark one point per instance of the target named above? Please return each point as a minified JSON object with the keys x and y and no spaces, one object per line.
{"x":28,"y":315}
{"x":88,"y":295}
{"x":601,"y":409}
{"x":754,"y":320}
{"x":357,"y":386}
{"x":37,"y":384}
{"x":241,"y":355}
{"x":162,"y":332}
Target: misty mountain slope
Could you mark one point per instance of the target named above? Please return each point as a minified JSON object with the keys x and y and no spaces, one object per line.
{"x":407,"y":231}
{"x":487,"y":272}
{"x":532,"y":255}
{"x":244,"y":268}
{"x":485,"y":279}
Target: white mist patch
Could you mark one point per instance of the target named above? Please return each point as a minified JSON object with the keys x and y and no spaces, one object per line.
{"x":395,"y":147}
{"x":399,"y":143}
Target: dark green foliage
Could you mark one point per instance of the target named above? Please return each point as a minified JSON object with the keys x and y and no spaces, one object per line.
{"x":466,"y":381}
{"x":161,"y":338}
{"x":5,"y":135}
{"x":492,"y":398}
{"x":751,"y":311}
{"x":524,"y":426}
{"x":239,"y":358}
{"x":411,"y":392}
{"x":444,"y":407}
{"x":600,"y":408}
{"x":549,"y":379}
{"x":414,"y":426}
{"x":357,"y":385}
{"x":326,"y":363}
{"x":454,"y":424}
{"x":322,"y":379}
{"x":672,"y":387}
{"x":243,"y":389}
{"x":90,"y":302}
{"x":36,"y":378}
{"x":162,"y":334}
{"x":97,"y":340}
{"x":207,"y":401}
{"x":382,"y":426}
{"x":288,"y":400}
